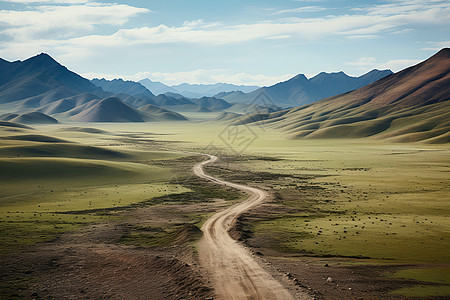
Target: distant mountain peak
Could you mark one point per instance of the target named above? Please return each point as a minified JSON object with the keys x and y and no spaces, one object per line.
{"x":299,"y":77}
{"x":299,"y":90}
{"x":43,"y":59}
{"x":443,"y":53}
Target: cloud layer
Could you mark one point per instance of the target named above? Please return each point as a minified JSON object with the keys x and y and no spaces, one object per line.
{"x":76,"y":29}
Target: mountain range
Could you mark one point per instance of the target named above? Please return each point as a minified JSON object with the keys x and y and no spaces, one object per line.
{"x":136,"y":95}
{"x":299,"y":90}
{"x":35,"y":88}
{"x":409,"y":106}
{"x":195,"y":90}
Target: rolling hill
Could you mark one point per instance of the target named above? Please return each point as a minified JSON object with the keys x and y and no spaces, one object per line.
{"x":409,"y":106}
{"x":109,"y":110}
{"x":113,"y":109}
{"x":29,"y":118}
{"x":212,"y":103}
{"x":300,"y":91}
{"x":136,"y":95}
{"x":155,"y":113}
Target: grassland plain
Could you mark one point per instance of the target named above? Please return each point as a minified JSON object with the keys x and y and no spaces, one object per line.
{"x":42,"y":181}
{"x":61,"y":179}
{"x":343,"y":202}
{"x":383,"y":202}
{"x":348,"y":204}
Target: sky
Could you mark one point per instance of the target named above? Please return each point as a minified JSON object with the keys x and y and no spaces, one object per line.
{"x":249,"y":42}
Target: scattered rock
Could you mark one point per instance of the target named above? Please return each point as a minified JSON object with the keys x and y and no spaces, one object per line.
{"x":329,"y":279}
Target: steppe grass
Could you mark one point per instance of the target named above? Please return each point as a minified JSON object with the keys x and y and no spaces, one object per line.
{"x":50,"y":188}
{"x":439,"y":277}
{"x":355,"y":198}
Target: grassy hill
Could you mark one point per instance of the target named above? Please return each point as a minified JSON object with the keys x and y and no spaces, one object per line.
{"x":409,"y":106}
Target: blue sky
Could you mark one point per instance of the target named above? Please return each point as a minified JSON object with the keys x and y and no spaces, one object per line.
{"x":241,"y":42}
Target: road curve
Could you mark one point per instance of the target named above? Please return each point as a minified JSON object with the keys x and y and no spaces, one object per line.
{"x":232,"y":270}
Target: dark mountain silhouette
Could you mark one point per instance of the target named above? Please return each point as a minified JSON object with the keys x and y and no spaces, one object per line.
{"x":194,"y":90}
{"x":174,"y":95}
{"x":40,"y":86}
{"x":182,"y":104}
{"x":209,"y":90}
{"x":300,"y":91}
{"x":136,"y":95}
{"x":163,"y":100}
{"x":157,"y":88}
{"x":212,"y":103}
{"x":135,"y":101}
{"x":408,"y":106}
{"x":119,"y":86}
{"x":331,"y":84}
{"x":37,"y":77}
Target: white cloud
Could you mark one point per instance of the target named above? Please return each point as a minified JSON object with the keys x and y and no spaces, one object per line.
{"x":200,"y":76}
{"x":369,"y":63}
{"x":74,"y":29}
{"x":67,"y":28}
{"x":67,"y":21}
{"x":406,"y":7}
{"x":57,"y":21}
{"x":363,"y":36}
{"x":300,"y":10}
{"x":368,"y":30}
{"x":46,"y":1}
{"x":402,"y":31}
{"x":279,"y":37}
{"x":436,"y":46}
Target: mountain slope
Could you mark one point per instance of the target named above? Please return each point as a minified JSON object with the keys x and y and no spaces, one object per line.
{"x":119,"y":86}
{"x":209,"y":90}
{"x":330,"y":84}
{"x":411,"y":105}
{"x":155,"y":113}
{"x":108,"y":110}
{"x":29,"y":118}
{"x":194,"y":90}
{"x":301,"y":91}
{"x":157,"y":88}
{"x":38,"y":75}
{"x":212,"y":103}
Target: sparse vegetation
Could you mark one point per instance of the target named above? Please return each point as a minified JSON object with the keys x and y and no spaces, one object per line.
{"x":384,"y":202}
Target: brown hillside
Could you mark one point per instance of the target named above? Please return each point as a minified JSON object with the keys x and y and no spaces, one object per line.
{"x":408,"y":106}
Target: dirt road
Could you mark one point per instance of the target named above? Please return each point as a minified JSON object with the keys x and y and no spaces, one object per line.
{"x":233,"y":272}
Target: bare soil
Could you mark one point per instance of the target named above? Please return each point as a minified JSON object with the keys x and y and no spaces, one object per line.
{"x":92,"y":263}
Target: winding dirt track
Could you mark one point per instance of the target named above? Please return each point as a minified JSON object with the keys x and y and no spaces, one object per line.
{"x":233,"y":272}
